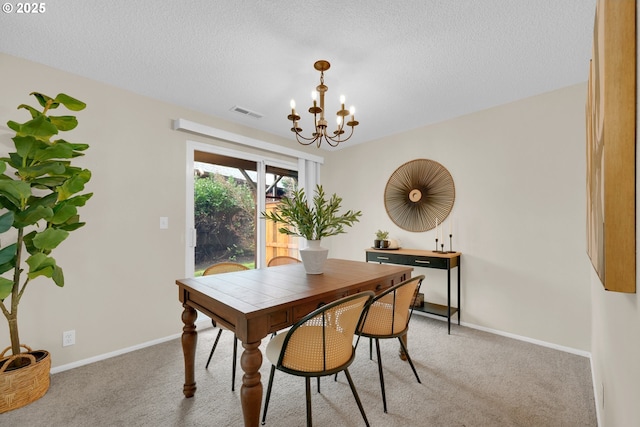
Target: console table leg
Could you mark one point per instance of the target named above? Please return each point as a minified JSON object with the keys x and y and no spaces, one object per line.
{"x":251,"y":391}
{"x":189,"y":341}
{"x":449,"y":300}
{"x":459,"y":306}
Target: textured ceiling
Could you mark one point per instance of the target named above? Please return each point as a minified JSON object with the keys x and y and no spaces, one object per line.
{"x":402,"y":64}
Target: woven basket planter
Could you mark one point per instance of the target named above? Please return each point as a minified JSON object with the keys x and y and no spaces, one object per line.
{"x":22,"y":386}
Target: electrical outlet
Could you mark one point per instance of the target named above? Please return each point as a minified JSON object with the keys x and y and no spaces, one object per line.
{"x":68,"y":338}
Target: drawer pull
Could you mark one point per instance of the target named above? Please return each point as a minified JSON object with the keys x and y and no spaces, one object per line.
{"x":419,"y":261}
{"x":382,"y":257}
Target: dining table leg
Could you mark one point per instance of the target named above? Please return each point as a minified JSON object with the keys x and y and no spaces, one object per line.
{"x":189,"y":341}
{"x":251,"y":390}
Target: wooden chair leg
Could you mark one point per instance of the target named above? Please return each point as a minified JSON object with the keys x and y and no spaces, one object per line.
{"x":355,"y":394}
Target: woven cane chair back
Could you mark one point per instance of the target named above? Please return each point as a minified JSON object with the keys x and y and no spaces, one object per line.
{"x":282,"y":260}
{"x":224,"y":267}
{"x":323,"y":341}
{"x":389,"y":313}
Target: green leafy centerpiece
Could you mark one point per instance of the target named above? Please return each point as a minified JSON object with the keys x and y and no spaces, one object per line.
{"x":312,"y":222}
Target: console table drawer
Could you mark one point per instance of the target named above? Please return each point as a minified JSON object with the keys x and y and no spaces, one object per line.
{"x":417,"y":261}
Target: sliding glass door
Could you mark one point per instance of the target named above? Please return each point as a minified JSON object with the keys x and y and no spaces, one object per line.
{"x":228,"y":191}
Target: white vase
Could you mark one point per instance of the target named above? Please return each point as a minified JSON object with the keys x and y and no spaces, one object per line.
{"x":314,"y":257}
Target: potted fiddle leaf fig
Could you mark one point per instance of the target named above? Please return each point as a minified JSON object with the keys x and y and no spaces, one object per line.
{"x":312,"y":221}
{"x":39,"y":201}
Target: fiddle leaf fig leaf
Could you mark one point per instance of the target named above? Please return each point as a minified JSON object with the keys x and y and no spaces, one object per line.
{"x":69,"y":102}
{"x":74,"y":185}
{"x":6,"y":221}
{"x":79,"y":200}
{"x":6,"y":286}
{"x":34,"y":113}
{"x":58,"y":276}
{"x":7,"y":253}
{"x":16,"y":191}
{"x":38,"y":127}
{"x":63,"y":213}
{"x":32,"y":215}
{"x":25,"y":145}
{"x":40,"y":265}
{"x":64,"y":123}
{"x":49,"y":238}
{"x":44,"y":99}
{"x":58,"y":150}
{"x":52,"y":168}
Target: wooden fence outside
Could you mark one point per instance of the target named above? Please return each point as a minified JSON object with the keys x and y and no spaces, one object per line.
{"x":278,"y":244}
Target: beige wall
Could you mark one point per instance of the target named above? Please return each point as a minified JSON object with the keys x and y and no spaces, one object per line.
{"x":519,"y":220}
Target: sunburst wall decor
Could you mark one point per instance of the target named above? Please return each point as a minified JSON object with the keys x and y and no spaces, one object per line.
{"x":419,"y":192}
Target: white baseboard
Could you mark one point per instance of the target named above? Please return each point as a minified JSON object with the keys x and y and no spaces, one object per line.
{"x":454,"y":321}
{"x":205,"y":322}
{"x":200,"y":325}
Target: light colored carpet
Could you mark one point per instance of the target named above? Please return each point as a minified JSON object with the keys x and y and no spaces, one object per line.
{"x":469,"y":378}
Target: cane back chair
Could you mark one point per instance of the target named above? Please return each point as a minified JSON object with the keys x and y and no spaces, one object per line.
{"x":319,"y":344}
{"x":388,"y":317}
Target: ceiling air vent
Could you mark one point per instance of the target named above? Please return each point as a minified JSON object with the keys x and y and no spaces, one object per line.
{"x":246,"y":112}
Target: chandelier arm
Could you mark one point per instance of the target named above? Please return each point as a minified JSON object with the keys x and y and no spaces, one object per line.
{"x":303,"y":142}
{"x":334,"y":141}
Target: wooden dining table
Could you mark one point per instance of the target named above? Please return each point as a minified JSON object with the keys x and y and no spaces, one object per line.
{"x":256,"y":303}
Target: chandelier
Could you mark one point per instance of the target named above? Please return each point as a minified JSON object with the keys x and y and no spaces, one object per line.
{"x":320,"y":132}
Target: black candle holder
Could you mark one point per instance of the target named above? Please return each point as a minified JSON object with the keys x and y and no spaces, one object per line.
{"x":451,"y":251}
{"x":436,"y":245}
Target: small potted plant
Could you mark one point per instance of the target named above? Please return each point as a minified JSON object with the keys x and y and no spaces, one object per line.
{"x":381,"y":241}
{"x":313,"y":222}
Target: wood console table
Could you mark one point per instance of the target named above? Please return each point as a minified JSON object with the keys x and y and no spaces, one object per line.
{"x":255,"y":303}
{"x":428,"y":259}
